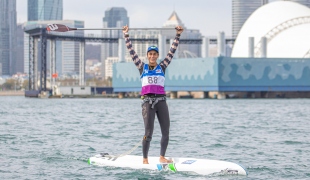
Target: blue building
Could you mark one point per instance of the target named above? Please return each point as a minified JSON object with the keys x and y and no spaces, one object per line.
{"x":224,"y":75}
{"x":43,"y":10}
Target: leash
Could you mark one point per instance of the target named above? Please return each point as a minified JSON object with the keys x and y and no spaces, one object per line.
{"x":123,"y":154}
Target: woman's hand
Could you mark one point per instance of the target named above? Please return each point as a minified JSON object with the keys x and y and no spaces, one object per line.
{"x":125,"y":29}
{"x":179,"y":29}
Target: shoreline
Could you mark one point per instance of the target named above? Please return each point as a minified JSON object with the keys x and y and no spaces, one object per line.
{"x":187,"y":95}
{"x":12,"y":93}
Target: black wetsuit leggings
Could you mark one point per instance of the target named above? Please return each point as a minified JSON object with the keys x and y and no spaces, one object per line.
{"x":161,"y":110}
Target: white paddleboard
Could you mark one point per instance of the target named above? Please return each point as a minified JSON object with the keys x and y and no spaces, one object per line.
{"x":199,"y":166}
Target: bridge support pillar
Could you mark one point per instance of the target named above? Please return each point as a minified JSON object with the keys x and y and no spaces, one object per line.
{"x":205,"y":47}
{"x":217,"y":95}
{"x":82,"y":64}
{"x":205,"y":94}
{"x":162,"y":46}
{"x":121,"y":95}
{"x":121,"y":50}
{"x":221,"y":46}
{"x":212,"y":95}
{"x":221,"y":95}
{"x":52,"y":64}
{"x":173,"y":94}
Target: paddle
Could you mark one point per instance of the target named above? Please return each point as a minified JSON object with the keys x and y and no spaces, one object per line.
{"x":64,"y":28}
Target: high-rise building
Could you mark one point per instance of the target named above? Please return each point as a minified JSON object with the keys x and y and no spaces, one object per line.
{"x":241,"y":10}
{"x":113,"y":17}
{"x":44,"y":10}
{"x":303,"y":2}
{"x":7,"y":36}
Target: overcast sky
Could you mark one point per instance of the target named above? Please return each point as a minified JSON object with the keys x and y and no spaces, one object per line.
{"x":209,"y":16}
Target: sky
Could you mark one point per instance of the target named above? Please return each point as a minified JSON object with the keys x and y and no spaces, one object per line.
{"x":208,"y":16}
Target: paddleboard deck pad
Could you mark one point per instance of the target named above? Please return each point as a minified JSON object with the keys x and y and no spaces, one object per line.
{"x":199,"y":166}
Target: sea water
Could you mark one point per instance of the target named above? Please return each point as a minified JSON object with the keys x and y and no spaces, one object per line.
{"x":53,"y":138}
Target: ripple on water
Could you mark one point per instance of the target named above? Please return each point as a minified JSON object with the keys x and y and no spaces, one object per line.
{"x":50,"y":139}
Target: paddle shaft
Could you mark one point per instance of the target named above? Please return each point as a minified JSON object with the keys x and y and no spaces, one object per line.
{"x":121,"y":28}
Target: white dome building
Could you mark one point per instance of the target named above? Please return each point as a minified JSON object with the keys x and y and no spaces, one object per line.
{"x":286,"y":26}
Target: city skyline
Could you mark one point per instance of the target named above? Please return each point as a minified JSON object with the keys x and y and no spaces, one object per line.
{"x":209,"y":17}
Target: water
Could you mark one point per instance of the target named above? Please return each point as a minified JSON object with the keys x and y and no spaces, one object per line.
{"x":52,"y":138}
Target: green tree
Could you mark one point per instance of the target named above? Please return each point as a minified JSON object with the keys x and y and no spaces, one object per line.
{"x":25,"y":84}
{"x":9,"y":84}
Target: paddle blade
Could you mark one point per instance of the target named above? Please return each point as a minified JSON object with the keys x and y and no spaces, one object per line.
{"x":59,"y":28}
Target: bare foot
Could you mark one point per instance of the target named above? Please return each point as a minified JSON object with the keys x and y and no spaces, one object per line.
{"x":162,"y":159}
{"x":145,"y":161}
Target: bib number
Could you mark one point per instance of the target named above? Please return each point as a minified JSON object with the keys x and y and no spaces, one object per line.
{"x":152,"y":80}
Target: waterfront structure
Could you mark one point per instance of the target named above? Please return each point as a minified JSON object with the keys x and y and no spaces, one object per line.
{"x":19,"y":63}
{"x":303,"y":2}
{"x":7,"y":36}
{"x":44,"y":10}
{"x":224,"y":76}
{"x":115,"y":17}
{"x":67,"y":52}
{"x":241,"y":10}
{"x":279,"y":29}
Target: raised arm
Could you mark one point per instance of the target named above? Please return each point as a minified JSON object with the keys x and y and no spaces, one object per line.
{"x":135,"y":58}
{"x":173,"y":47}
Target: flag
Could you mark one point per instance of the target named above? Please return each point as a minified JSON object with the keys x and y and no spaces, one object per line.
{"x":55,"y":75}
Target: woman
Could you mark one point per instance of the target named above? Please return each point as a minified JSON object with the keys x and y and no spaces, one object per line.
{"x":153,"y":94}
